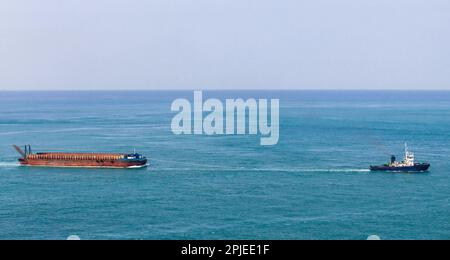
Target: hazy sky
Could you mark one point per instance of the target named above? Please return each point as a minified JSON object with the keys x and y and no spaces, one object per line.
{"x":223,"y":44}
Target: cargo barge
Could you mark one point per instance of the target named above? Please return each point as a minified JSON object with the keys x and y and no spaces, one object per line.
{"x":80,"y":160}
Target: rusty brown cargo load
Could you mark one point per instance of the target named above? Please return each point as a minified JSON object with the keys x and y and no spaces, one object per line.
{"x":79,"y":156}
{"x":94,"y":160}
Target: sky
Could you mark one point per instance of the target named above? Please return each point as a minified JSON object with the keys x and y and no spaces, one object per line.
{"x":224,"y":44}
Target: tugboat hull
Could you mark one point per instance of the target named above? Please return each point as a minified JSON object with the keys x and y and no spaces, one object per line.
{"x":415,"y":168}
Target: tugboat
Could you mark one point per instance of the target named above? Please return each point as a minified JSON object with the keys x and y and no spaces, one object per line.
{"x":408,"y":165}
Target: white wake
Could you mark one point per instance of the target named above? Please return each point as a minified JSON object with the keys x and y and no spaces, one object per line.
{"x":8,"y":164}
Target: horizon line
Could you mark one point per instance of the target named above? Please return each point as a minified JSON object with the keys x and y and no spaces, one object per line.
{"x":193,"y":89}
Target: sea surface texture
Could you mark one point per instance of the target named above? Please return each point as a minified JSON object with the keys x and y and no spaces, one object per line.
{"x":314,"y":184}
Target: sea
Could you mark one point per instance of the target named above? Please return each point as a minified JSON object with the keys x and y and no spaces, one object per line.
{"x":314,"y":184}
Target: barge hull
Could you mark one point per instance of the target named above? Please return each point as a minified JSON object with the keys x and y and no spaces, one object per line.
{"x":60,"y":164}
{"x":81,"y":160}
{"x":83,"y":164}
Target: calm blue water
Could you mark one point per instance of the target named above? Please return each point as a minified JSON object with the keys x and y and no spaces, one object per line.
{"x":312,"y":185}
